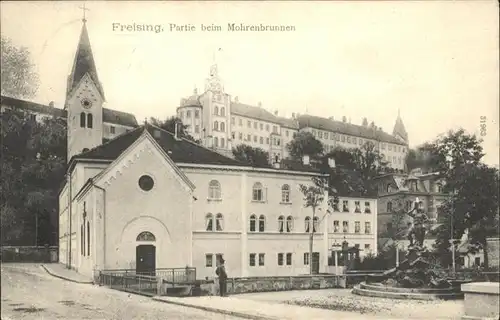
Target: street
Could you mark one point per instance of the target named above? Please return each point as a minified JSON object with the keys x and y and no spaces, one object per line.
{"x":28,"y":292}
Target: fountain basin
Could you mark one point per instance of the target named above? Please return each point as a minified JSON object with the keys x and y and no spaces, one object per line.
{"x":390,"y":292}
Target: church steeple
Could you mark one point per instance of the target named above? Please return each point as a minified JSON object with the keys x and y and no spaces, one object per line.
{"x":83,"y":63}
{"x":399,"y":128}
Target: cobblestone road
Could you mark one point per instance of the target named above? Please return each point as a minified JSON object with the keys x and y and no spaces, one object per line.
{"x":28,"y":292}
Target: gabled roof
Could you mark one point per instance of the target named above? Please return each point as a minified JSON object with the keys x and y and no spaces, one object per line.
{"x":109,"y":115}
{"x":346,"y":128}
{"x":253,"y":112}
{"x":84,"y":63}
{"x":179,"y":150}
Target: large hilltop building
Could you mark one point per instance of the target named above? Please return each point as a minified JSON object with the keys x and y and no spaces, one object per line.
{"x":222,"y":122}
{"x":141,"y":198}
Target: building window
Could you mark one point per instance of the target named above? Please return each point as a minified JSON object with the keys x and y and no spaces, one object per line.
{"x":389,"y":147}
{"x":267,"y":140}
{"x":219,"y":222}
{"x":240,"y":136}
{"x":214,"y":190}
{"x":261,"y":259}
{"x":82,"y":119}
{"x":88,"y":238}
{"x":315,"y":224}
{"x":345,"y":206}
{"x":367,"y":207}
{"x":90,"y":121}
{"x":289,"y":224}
{"x":222,"y":127}
{"x":307,"y":224}
{"x":261,"y":126}
{"x":249,"y":137}
{"x":285,"y":193}
{"x":254,"y":138}
{"x":389,"y":206}
{"x":335,"y":206}
{"x":287,"y":133}
{"x":368,"y":228}
{"x":345,"y":226}
{"x":233,"y":121}
{"x":336,"y":226}
{"x":112,"y":129}
{"x":216,"y":142}
{"x":145,"y":236}
{"x":146,"y":183}
{"x":360,"y":141}
{"x":233,"y":135}
{"x":240,"y":122}
{"x":320,"y":134}
{"x":261,"y":140}
{"x":357,"y":207}
{"x":262,"y":223}
{"x":251,"y":261}
{"x":222,"y":142}
{"x":280,"y":259}
{"x":197,"y":129}
{"x":357,"y":227}
{"x":196,"y":114}
{"x":188,"y":114}
{"x":288,"y":259}
{"x":223,"y":111}
{"x":281,"y":224}
{"x":257,"y":192}
{"x":209,"y":260}
{"x":216,"y":110}
{"x":253,"y":222}
{"x":306,"y":258}
{"x":216,"y":125}
{"x":209,"y":222}
{"x":267,"y":127}
{"x":439,"y":188}
{"x":348,"y":139}
{"x":249,"y":124}
{"x":367,"y":247}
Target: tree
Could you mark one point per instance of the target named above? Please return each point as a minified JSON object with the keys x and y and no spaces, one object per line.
{"x":169,"y":125}
{"x":254,"y":156}
{"x":313,"y":198}
{"x":368,"y":161}
{"x":19,"y":80}
{"x":399,"y":219}
{"x":33,"y":167}
{"x":304,"y":143}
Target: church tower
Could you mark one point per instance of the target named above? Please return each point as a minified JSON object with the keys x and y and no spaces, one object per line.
{"x":399,"y":129}
{"x":84,"y":100}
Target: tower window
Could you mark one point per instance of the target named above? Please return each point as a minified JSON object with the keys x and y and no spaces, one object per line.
{"x":89,"y":120}
{"x":82,"y":120}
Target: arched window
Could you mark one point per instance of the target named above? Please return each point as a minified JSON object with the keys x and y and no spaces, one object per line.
{"x":219,"y":222}
{"x":389,"y":206}
{"x":216,"y":142}
{"x":285,"y":193}
{"x":216,"y":110}
{"x":307,"y":224}
{"x":145,"y":236}
{"x":89,"y":121}
{"x":222,"y":126}
{"x":214,"y":190}
{"x":82,"y":119}
{"x":281,"y":223}
{"x":209,"y":222}
{"x":289,"y":224}
{"x":88,"y":238}
{"x":253,"y":222}
{"x":216,"y":125}
{"x":257,"y":192}
{"x":315,"y":224}
{"x":223,"y":111}
{"x":262,"y":223}
{"x":82,"y":240}
{"x":222,"y":142}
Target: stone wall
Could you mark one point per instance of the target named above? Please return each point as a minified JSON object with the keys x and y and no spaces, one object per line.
{"x":29,"y":254}
{"x":266,"y":284}
{"x":493,"y":252}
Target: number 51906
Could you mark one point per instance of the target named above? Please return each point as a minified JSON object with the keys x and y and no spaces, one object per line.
{"x":482,"y":126}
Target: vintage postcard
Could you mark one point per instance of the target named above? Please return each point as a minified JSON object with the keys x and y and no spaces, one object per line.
{"x":249,"y":159}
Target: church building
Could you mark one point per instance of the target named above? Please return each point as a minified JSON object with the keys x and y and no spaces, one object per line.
{"x":148,"y":199}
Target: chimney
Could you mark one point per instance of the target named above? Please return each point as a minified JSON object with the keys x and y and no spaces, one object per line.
{"x":176,"y":130}
{"x":305,"y":159}
{"x":331,"y":162}
{"x":344,"y":119}
{"x":236,"y":99}
{"x":259,"y":104}
{"x":51,"y":104}
{"x":276,"y":112}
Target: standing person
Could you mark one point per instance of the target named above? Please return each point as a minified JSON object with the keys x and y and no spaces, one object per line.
{"x":221,"y":273}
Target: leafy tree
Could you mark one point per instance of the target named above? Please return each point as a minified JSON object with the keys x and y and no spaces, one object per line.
{"x":33,"y":167}
{"x":399,"y":219}
{"x":254,"y":156}
{"x":368,"y":161}
{"x":304,"y":143}
{"x":169,"y":125}
{"x":19,"y":80}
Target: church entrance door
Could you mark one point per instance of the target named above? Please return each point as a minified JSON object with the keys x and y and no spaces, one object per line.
{"x":145,"y":256}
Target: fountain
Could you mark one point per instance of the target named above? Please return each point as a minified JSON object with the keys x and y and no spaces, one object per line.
{"x":414,"y":278}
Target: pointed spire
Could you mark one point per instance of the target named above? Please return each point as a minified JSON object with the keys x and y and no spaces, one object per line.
{"x":84,"y":62}
{"x":399,"y":128}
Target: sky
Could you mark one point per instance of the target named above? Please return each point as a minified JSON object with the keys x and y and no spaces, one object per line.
{"x":437,"y":62}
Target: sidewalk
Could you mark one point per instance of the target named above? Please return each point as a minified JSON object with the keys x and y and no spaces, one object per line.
{"x":259,"y":310}
{"x":60,"y":271}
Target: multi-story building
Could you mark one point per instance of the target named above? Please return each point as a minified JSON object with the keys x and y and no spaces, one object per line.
{"x":222,"y":122}
{"x":397,"y":192}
